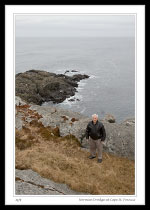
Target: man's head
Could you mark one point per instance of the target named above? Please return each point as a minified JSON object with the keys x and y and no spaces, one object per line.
{"x":94,"y":118}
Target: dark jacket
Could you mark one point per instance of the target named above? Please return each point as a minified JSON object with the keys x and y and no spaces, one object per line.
{"x":95,"y":131}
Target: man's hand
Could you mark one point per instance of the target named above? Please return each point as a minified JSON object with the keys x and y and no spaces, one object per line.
{"x":87,"y":141}
{"x":104,"y":143}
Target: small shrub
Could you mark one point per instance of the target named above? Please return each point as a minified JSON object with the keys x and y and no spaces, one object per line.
{"x":27,"y":130}
{"x":35,"y":123}
{"x":64,"y":117}
{"x":45,"y":133}
{"x":30,"y":137}
{"x":22,"y":143}
{"x":23,"y":118}
{"x":23,"y":106}
{"x":74,"y":119}
{"x":56,"y":132}
{"x":71,"y":140}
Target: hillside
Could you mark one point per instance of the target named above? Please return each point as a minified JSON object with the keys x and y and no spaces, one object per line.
{"x":53,"y":155}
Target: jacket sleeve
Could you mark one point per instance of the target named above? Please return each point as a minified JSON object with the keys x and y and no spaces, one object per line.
{"x":103,"y":132}
{"x":87,"y":132}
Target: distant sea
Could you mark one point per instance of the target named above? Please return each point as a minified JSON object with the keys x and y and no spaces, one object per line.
{"x":110,"y":63}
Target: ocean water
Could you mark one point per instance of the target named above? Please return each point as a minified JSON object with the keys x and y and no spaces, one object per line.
{"x":110,"y":63}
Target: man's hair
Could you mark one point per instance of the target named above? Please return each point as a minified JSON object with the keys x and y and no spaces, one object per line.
{"x":94,"y":115}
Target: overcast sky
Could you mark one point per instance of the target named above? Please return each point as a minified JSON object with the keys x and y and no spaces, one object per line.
{"x":74,"y":25}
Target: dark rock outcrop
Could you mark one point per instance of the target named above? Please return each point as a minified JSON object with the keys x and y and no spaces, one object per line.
{"x":36,"y":86}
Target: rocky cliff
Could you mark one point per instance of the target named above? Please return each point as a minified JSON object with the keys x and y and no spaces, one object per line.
{"x":50,"y":143}
{"x":120,"y":138}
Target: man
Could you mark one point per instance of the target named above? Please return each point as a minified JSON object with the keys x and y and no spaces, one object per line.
{"x":96,"y":134}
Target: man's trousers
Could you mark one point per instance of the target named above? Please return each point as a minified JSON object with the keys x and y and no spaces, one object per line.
{"x":96,"y":144}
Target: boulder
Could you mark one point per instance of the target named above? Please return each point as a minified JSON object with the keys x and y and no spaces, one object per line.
{"x":120,"y":139}
{"x":110,"y":118}
{"x":19,"y":101}
{"x":74,"y":71}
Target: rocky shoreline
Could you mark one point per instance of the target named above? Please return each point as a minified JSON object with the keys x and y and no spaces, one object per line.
{"x":120,"y":137}
{"x":38,"y":86}
{"x":32,"y":89}
{"x":58,"y":123}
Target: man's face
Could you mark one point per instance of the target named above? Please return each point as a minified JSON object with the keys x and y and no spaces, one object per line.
{"x":95,"y":119}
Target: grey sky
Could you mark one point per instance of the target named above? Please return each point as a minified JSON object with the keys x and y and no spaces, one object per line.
{"x":74,"y":25}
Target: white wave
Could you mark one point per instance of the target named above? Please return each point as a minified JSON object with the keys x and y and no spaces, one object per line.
{"x":81,"y":87}
{"x":82,"y":83}
{"x":49,"y":103}
{"x":68,"y":101}
{"x":78,"y":96}
{"x":59,"y":71}
{"x":93,"y":76}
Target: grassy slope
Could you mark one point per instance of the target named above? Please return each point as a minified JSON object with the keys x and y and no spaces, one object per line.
{"x":62,"y":160}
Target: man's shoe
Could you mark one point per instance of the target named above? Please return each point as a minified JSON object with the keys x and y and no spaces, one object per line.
{"x":99,"y":160}
{"x":91,"y":157}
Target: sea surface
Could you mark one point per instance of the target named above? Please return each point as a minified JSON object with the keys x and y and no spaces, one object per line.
{"x":110,"y":63}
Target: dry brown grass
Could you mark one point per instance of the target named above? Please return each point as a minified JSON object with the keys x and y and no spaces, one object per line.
{"x":62,"y":160}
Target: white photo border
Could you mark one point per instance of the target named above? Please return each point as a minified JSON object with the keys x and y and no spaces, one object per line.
{"x":10,"y":12}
